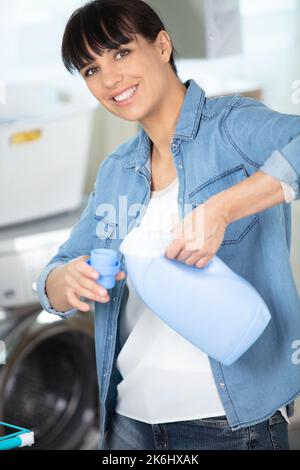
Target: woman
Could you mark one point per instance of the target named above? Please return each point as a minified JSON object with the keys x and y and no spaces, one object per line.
{"x":234,"y":160}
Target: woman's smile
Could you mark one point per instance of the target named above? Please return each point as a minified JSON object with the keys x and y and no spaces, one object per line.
{"x":127,"y":97}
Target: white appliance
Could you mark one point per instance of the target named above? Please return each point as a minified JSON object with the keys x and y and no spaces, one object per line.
{"x":24,"y":251}
{"x":44,"y":147}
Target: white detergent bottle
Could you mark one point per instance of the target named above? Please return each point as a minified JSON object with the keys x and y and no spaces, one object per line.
{"x":212,"y":307}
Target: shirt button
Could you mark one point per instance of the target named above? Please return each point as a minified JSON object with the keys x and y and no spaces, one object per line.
{"x":180,"y":167}
{"x":222,"y":385}
{"x":114,"y":299}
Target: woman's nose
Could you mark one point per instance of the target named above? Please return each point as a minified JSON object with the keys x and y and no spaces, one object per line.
{"x":111,"y":78}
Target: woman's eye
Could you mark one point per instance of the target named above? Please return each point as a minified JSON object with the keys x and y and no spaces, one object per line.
{"x":92,"y":69}
{"x":122,"y":51}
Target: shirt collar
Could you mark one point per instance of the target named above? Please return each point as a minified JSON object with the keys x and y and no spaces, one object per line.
{"x":186,"y":128}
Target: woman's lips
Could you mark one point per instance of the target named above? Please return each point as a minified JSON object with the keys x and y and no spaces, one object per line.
{"x":128,"y":101}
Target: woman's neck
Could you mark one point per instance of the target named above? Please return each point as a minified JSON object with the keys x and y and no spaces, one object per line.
{"x":161,"y":127}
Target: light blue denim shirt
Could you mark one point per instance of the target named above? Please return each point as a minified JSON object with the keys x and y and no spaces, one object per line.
{"x":217,"y":143}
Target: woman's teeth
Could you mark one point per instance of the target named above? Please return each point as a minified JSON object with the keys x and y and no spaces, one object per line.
{"x":126,"y":95}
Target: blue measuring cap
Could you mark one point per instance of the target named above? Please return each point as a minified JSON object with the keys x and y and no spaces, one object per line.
{"x":105,"y":262}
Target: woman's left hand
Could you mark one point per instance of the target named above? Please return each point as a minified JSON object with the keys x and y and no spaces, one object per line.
{"x":199,"y":235}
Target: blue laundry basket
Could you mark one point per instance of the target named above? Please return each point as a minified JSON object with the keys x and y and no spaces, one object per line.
{"x":20,"y":438}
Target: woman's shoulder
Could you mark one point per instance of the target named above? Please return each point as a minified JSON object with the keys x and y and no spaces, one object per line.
{"x":218,"y":105}
{"x":127,"y":147}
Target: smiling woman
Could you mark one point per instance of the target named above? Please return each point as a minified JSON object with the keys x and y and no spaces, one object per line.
{"x":118,"y":47}
{"x":224,"y":155}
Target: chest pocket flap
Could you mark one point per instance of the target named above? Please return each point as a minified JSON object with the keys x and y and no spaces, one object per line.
{"x":237,"y":230}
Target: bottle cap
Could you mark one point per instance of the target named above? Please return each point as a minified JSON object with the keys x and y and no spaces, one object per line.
{"x":105,"y":262}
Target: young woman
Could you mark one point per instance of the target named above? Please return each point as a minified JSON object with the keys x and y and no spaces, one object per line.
{"x":231,"y":158}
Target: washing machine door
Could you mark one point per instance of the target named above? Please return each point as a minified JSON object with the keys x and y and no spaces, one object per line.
{"x":49,"y":381}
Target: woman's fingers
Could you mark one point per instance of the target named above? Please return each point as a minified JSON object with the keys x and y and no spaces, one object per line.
{"x":80,"y":280}
{"x":202,"y":263}
{"x":184,"y":255}
{"x":75,"y":302}
{"x":174,"y":248}
{"x":198,"y":238}
{"x":121,"y":275}
{"x":95,"y":294}
{"x":197,"y":260}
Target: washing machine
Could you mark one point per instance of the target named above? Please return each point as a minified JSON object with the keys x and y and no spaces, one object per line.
{"x":49,"y":381}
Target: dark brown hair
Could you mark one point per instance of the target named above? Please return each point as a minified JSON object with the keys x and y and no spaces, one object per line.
{"x":108,"y":24}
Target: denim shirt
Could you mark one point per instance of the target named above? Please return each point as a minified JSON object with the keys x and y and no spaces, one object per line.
{"x":217,"y":143}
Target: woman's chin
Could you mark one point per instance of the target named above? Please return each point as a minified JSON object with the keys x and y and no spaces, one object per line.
{"x":129,"y":114}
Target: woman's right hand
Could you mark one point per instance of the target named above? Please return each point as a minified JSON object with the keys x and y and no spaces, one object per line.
{"x":80,"y":281}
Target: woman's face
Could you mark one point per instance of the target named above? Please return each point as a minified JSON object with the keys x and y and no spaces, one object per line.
{"x":139,"y":69}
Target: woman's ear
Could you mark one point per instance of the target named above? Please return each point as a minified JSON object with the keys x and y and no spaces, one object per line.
{"x":165,"y":45}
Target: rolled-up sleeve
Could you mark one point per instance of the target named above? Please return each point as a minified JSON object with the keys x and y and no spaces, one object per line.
{"x":79,"y":243}
{"x":278,"y":166}
{"x":267,"y":139}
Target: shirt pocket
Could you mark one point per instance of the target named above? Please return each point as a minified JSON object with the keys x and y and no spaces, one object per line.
{"x":105,"y":230}
{"x":236,"y":231}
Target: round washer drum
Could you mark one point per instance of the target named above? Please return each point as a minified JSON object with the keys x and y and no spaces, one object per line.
{"x":49,"y":381}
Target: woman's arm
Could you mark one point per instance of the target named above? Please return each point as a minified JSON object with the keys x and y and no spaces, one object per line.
{"x":50,"y":280}
{"x":255,"y":194}
{"x":199,"y":236}
{"x":266,"y":140}
{"x":55,"y":290}
{"x":269,"y":141}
